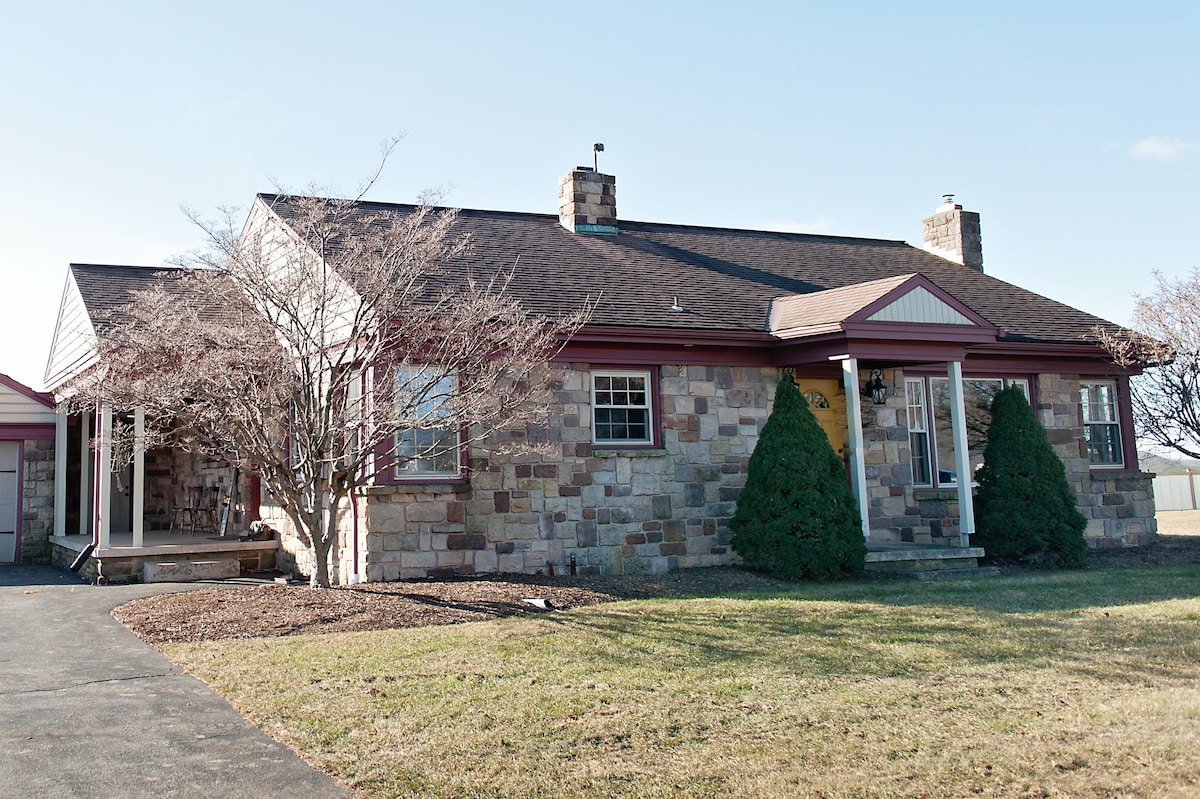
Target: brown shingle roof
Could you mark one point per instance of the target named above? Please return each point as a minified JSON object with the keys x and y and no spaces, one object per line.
{"x":106,"y":288}
{"x":724,"y":279}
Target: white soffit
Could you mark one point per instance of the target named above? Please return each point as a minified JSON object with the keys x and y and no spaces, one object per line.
{"x":919,"y":306}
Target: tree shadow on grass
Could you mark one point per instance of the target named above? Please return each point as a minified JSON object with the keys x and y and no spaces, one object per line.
{"x":816,"y":638}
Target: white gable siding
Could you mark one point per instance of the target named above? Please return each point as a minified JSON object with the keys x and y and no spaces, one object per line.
{"x":288,"y":257}
{"x":74,"y":345}
{"x":16,"y":408}
{"x":922,"y":307}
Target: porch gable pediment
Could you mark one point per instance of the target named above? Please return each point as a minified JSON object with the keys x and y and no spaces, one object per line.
{"x":897,"y":307}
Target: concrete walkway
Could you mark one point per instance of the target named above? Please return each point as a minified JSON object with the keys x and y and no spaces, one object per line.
{"x":88,"y":710}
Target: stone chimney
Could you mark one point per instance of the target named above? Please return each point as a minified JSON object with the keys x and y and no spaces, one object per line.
{"x":954,"y":234}
{"x":587,"y":202}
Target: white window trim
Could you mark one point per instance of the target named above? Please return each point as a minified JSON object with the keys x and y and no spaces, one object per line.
{"x":1114,"y":422}
{"x":931,"y":421}
{"x":918,"y":423}
{"x":649,"y":407}
{"x":401,"y":474}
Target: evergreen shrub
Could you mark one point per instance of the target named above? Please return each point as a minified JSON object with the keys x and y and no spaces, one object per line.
{"x":796,"y":517}
{"x":1025,"y":510}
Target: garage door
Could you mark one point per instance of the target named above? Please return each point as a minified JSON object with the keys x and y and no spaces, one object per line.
{"x":9,"y":461}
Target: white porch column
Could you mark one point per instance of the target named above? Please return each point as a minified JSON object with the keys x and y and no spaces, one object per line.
{"x":60,"y":470}
{"x":104,"y":477}
{"x":86,"y":504}
{"x":858,"y":467}
{"x":139,"y":475}
{"x":962,"y":457}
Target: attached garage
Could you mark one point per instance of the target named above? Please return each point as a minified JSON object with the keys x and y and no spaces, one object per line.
{"x":27,"y":435}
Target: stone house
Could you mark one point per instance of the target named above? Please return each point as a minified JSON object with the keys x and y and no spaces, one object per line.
{"x":661,"y":396}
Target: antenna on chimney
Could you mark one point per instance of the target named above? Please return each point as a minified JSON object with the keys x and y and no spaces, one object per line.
{"x":948,"y":199}
{"x":597,"y":148}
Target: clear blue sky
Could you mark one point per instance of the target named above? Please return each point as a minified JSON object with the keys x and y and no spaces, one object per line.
{"x":1072,"y":127}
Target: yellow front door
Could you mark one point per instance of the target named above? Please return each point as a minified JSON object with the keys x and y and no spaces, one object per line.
{"x":827,"y":401}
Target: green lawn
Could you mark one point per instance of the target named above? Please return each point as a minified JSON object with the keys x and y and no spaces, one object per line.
{"x":1080,"y":684}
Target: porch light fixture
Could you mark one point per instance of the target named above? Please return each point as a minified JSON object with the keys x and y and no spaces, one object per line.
{"x":875,"y":387}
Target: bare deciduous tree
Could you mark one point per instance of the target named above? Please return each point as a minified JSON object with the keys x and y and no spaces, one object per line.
{"x":1165,"y":343}
{"x":350,"y":342}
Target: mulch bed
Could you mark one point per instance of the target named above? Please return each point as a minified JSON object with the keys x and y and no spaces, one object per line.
{"x":258,"y":611}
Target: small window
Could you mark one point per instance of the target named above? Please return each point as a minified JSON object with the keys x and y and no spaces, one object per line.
{"x":816,"y":400}
{"x":621,"y":409}
{"x":918,"y":430}
{"x":1101,"y":424}
{"x":427,"y":445}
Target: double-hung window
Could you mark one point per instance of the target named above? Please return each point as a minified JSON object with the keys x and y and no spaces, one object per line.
{"x":622,"y":410}
{"x":933,"y":457}
{"x":1101,"y":423}
{"x":918,"y":430}
{"x":427,"y":440}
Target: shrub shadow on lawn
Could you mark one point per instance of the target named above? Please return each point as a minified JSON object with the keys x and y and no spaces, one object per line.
{"x":816,"y":639}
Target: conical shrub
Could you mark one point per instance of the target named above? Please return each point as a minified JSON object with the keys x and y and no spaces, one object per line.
{"x":796,"y":517}
{"x":1025,"y":510}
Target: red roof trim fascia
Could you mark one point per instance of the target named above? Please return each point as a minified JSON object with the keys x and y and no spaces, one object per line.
{"x":19,"y":387}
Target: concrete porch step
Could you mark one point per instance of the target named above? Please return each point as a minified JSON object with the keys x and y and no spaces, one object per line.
{"x":967,"y":573}
{"x":926,"y":562}
{"x":186,"y":571}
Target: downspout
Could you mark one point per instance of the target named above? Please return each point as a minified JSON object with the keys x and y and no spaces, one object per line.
{"x":355,"y":577}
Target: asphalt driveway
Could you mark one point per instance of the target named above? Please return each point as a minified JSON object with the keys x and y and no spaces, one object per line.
{"x":88,"y":710}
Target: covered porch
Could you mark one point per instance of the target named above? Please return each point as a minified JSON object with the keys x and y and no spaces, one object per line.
{"x":862,"y":339}
{"x":162,"y":515}
{"x":193,"y":557}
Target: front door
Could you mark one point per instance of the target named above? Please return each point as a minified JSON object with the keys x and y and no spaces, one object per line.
{"x":827,"y":401}
{"x":10,"y":452}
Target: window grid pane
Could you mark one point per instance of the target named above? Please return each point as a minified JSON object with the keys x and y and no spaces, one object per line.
{"x":918,"y":436}
{"x":431,"y":446}
{"x":621,"y":409}
{"x":1102,"y":427}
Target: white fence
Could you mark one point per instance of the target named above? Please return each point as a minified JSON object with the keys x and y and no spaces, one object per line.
{"x":1176,"y":490}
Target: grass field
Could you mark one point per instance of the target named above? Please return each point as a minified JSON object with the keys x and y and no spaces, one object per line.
{"x":1079,"y":684}
{"x":1179,"y":522}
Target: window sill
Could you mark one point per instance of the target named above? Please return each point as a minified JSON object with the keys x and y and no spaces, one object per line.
{"x":628,"y":452}
{"x":949,"y":493}
{"x":423,"y":483}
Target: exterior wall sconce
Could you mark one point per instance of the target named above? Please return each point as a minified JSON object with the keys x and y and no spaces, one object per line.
{"x":876,"y":388}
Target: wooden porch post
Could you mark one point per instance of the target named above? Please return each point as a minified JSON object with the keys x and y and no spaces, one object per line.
{"x":60,"y":470}
{"x":139,"y":475}
{"x":86,"y":505}
{"x":104,"y":477}
{"x":962,"y":457}
{"x":858,"y":467}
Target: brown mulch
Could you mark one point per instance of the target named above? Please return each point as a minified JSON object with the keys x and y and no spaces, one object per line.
{"x":258,"y":611}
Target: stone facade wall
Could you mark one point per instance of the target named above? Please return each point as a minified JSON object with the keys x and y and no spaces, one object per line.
{"x":615,"y":510}
{"x":1118,"y":504}
{"x":653,"y":510}
{"x":169,"y":475}
{"x":37,"y":501}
